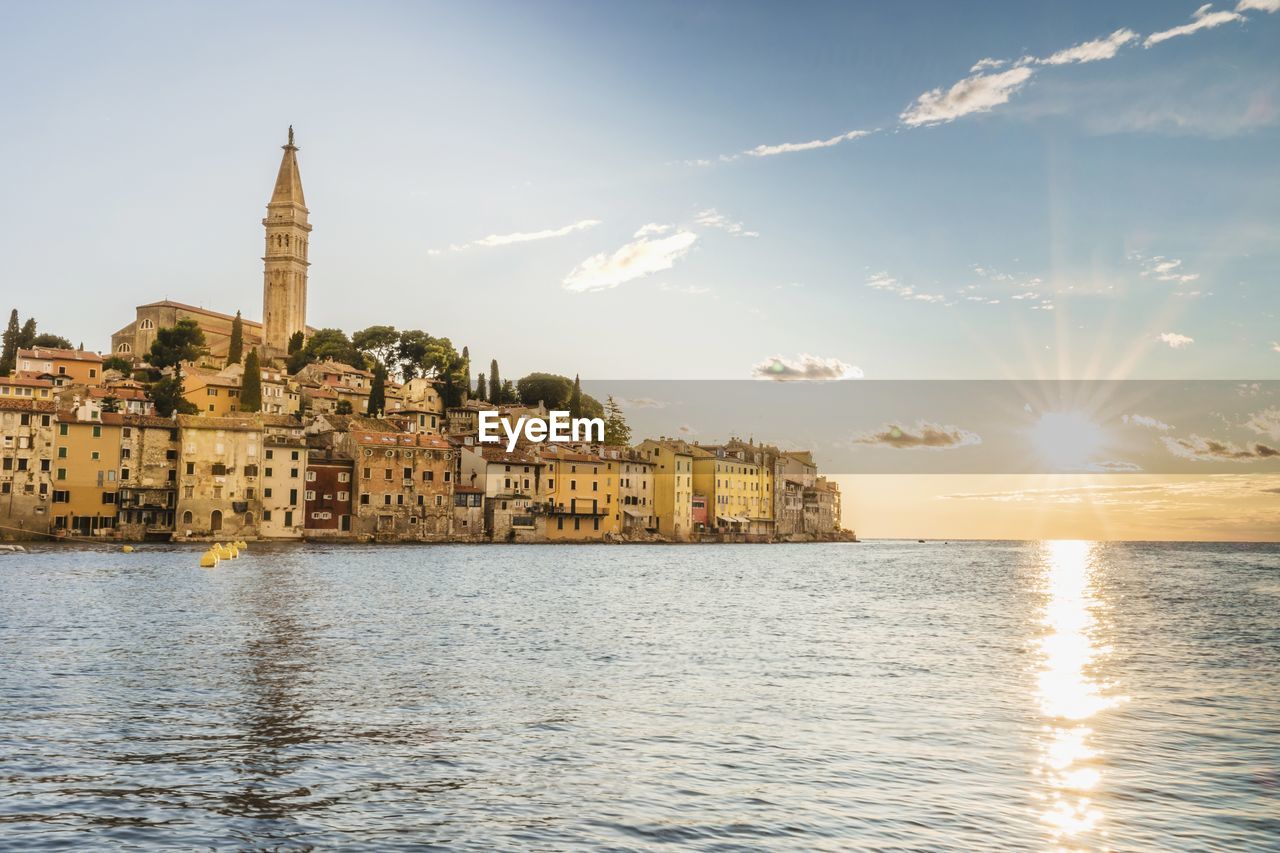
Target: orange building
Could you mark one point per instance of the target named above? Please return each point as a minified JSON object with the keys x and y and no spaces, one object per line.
{"x":63,"y":366}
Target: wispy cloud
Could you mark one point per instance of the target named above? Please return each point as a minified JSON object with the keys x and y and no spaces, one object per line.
{"x":525,"y":236}
{"x":985,"y":64}
{"x":1164,"y":269}
{"x":713,"y":218}
{"x":688,"y":289}
{"x":641,"y":403}
{"x":1275,"y":346}
{"x":1091,"y":51}
{"x":652,"y":229}
{"x":886,"y":282}
{"x":1201,"y":19}
{"x":1258,"y":5}
{"x":1265,"y":422}
{"x":1175,"y":340}
{"x":636,"y":259}
{"x":923,"y":436}
{"x":792,"y":147}
{"x":804,"y":367}
{"x":1146,"y":421}
{"x":976,"y":94}
{"x":1200,"y":449}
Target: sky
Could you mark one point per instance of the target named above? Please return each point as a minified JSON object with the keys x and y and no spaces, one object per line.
{"x":671,"y":190}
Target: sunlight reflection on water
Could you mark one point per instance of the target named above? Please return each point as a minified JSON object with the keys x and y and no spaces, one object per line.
{"x":1070,"y":691}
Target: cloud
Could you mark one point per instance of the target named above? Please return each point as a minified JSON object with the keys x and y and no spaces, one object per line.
{"x":1201,"y":19}
{"x":792,"y":147}
{"x":1275,"y":345}
{"x":525,"y":236}
{"x":641,"y":403}
{"x":804,"y":367}
{"x":636,"y":259}
{"x":713,"y":218}
{"x":884,"y":281}
{"x":1148,"y":422}
{"x":1091,"y":51}
{"x":984,"y":64}
{"x":652,"y":229}
{"x":1163,"y":269}
{"x":1175,"y":340}
{"x":975,"y":94}
{"x":690,"y":289}
{"x":923,"y":436}
{"x":1114,"y":467}
{"x":1266,"y":422}
{"x":685,"y":429}
{"x":1267,"y":6}
{"x":1200,"y":449}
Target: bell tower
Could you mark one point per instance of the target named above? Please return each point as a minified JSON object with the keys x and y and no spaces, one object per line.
{"x":284,"y":283}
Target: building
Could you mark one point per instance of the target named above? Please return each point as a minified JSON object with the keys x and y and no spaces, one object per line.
{"x":672,"y":461}
{"x":61,"y":366}
{"x":793,"y":473}
{"x":510,"y":483}
{"x":404,"y":485}
{"x":284,"y":284}
{"x":822,"y":508}
{"x":285,"y":477}
{"x":86,"y":471}
{"x":147,"y":498}
{"x":26,"y":477}
{"x":420,"y":402}
{"x":731,"y":485}
{"x":576,"y":495}
{"x":215,"y":393}
{"x":636,"y":511}
{"x":346,"y":383}
{"x":328,"y":494}
{"x":284,"y":281}
{"x":468,"y":514}
{"x":219,"y":479}
{"x":25,"y":387}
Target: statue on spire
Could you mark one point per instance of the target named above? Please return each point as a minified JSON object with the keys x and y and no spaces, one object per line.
{"x":290,"y":134}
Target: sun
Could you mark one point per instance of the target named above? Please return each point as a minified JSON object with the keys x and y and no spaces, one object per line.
{"x":1066,"y":440}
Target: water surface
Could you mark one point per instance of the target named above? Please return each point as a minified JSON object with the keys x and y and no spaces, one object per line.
{"x":819,"y":697}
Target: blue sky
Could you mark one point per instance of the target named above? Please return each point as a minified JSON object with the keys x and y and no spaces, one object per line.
{"x":1107,"y":212}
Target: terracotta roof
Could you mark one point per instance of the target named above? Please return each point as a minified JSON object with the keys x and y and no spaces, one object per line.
{"x":25,"y":379}
{"x":104,"y":419}
{"x":118,"y":393}
{"x":281,"y":421}
{"x":26,"y":404}
{"x":398,"y":439}
{"x":149,"y":421}
{"x":169,"y":303}
{"x":41,"y":353}
{"x":212,"y":422}
{"x":498,"y":454}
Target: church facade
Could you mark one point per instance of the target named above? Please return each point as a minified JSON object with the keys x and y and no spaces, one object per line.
{"x":284,"y":284}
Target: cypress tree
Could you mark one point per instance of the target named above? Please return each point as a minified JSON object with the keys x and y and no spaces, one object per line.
{"x":575,"y":399}
{"x":296,"y":341}
{"x":27,"y":337}
{"x":9,"y":356}
{"x":235,"y":350}
{"x":378,"y":390}
{"x":251,"y":384}
{"x":495,"y":384}
{"x":482,"y":393}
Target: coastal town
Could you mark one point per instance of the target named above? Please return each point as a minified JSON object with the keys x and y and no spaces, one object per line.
{"x":200,"y":425}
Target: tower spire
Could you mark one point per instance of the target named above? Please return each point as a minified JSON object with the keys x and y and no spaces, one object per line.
{"x":288,"y":238}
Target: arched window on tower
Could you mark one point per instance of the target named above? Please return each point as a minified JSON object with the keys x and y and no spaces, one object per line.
{"x":146,"y":324}
{"x":124,"y":347}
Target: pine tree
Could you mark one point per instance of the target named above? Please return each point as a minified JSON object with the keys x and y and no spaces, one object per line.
{"x":251,"y":383}
{"x":27,"y":337}
{"x":296,"y":342}
{"x":378,"y":390}
{"x":575,"y":399}
{"x":616,"y":431}
{"x":482,"y":393}
{"x":235,"y":350}
{"x":496,"y":388}
{"x":508,"y":391}
{"x":9,"y":356}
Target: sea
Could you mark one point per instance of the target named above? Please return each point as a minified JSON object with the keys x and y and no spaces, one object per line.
{"x":1055,"y":695}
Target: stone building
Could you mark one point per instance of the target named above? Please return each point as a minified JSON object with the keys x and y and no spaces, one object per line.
{"x":284,"y":477}
{"x":404,"y":485}
{"x":468,"y":514}
{"x":134,"y":340}
{"x":147,"y":498}
{"x":636,"y":510}
{"x":219,"y":477}
{"x":26,"y":450}
{"x":510,"y":483}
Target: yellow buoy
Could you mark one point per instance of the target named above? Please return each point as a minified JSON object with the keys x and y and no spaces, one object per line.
{"x":208,"y":560}
{"x":127,"y":549}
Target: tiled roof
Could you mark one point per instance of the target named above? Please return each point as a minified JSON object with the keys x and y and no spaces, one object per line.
{"x":399,"y":439}
{"x":26,"y":379}
{"x":43,"y":353}
{"x":195,"y":309}
{"x":26,"y":404}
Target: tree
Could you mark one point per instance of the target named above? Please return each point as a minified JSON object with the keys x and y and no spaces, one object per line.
{"x":296,"y":340}
{"x":173,"y":345}
{"x":616,"y":431}
{"x":575,"y":398}
{"x":380,"y":343}
{"x":466,"y":367}
{"x":115,"y":362}
{"x":251,"y":383}
{"x":495,"y":384}
{"x":378,"y":390}
{"x":166,"y":394}
{"x":508,"y":391}
{"x":551,"y":389}
{"x":482,"y":393}
{"x":235,"y":349}
{"x":323,"y":345}
{"x":53,"y":342}
{"x":9,"y":355}
{"x":27,"y":337}
{"x":344,"y":407}
{"x":110,"y":404}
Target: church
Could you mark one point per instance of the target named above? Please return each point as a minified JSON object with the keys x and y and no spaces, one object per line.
{"x":284,"y":284}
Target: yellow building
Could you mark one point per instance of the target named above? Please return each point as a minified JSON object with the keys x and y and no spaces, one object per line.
{"x":214,"y":393}
{"x":86,"y":471}
{"x":219,"y":480}
{"x":25,"y":388}
{"x":579,"y":491}
{"x":738,"y":494}
{"x":672,"y":485}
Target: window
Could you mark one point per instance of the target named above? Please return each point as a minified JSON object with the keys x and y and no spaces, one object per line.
{"x":311,"y":476}
{"x":344,"y":477}
{"x":219,"y":469}
{"x":62,"y":453}
{"x":62,"y":473}
{"x":187,"y":517}
{"x":439,"y":500}
{"x":428,"y":476}
{"x":364,"y":500}
{"x":344,"y":496}
{"x":310,"y":495}
{"x":61,"y":496}
{"x":270,"y":454}
{"x":124,"y":473}
{"x":266,"y":493}
{"x":97,"y":431}
{"x":62,"y":429}
{"x":266,"y":472}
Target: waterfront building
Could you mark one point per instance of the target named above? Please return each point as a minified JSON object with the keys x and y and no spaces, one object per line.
{"x":672,"y":459}
{"x":219,"y":493}
{"x":147,"y":498}
{"x":468,"y":514}
{"x":731,"y":485}
{"x":575,"y":495}
{"x":86,"y":471}
{"x":404,"y":485}
{"x":26,"y":451}
{"x":793,"y":473}
{"x":286,"y":481}
{"x":635,"y":510}
{"x":510,"y":482}
{"x":327,"y":509}
{"x":61,"y":366}
{"x":822,"y":508}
